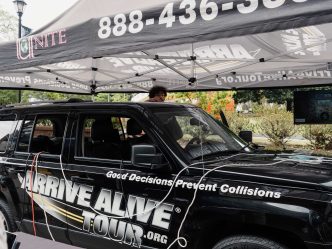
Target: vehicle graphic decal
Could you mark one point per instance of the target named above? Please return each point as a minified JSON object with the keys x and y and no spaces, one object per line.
{"x":119,"y":217}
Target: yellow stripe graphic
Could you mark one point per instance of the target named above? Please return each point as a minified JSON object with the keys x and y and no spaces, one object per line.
{"x":59,"y":210}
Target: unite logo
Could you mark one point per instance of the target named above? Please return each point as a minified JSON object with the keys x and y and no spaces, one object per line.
{"x":26,"y":46}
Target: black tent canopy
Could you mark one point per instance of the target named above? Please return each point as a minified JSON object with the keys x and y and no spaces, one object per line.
{"x":128,"y":46}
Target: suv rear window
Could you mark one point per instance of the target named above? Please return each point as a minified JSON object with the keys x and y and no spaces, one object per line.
{"x":47,"y":134}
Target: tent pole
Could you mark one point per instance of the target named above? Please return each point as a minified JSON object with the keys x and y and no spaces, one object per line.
{"x":19,"y":36}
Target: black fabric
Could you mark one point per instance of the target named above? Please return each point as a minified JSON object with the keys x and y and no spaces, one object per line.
{"x":102,"y":130}
{"x":238,"y":44}
{"x":42,"y":144}
{"x":133,"y":128}
{"x":174,"y":128}
{"x":105,"y":141}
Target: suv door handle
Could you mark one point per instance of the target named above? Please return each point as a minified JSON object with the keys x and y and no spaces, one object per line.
{"x":82,"y":179}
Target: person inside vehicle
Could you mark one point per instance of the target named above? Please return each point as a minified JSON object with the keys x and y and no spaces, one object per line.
{"x":157,"y":94}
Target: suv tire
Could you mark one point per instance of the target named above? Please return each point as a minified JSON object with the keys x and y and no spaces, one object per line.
{"x":247,"y":242}
{"x":7,"y":217}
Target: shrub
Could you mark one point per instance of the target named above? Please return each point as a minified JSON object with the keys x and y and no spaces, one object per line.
{"x":277,"y":125}
{"x":237,"y":122}
{"x":320,"y":136}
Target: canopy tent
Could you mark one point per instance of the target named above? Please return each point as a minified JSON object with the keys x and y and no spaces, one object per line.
{"x":128,"y":46}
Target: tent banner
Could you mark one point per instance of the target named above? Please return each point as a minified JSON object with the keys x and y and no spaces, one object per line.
{"x":172,"y":23}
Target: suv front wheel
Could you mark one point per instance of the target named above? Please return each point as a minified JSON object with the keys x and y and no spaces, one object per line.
{"x":247,"y":242}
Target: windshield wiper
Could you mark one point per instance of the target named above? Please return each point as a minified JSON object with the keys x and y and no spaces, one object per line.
{"x":216,"y":153}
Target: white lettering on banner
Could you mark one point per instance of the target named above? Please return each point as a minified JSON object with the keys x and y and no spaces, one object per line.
{"x":39,"y":82}
{"x":217,"y":51}
{"x":298,"y":39}
{"x":276,"y":76}
{"x":69,"y":65}
{"x":206,"y":10}
{"x":15,"y":79}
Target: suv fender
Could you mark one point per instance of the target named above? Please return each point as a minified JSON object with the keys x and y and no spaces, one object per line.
{"x":9,"y":195}
{"x":234,"y":221}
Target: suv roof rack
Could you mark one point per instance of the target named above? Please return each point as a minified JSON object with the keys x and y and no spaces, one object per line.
{"x":71,"y":100}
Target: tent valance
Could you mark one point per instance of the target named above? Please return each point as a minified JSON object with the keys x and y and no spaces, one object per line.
{"x":128,"y":46}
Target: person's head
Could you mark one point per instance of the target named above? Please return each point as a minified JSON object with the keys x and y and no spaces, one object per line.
{"x":157,"y":94}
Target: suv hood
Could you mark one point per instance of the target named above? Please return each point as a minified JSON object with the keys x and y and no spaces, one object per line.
{"x":291,"y":169}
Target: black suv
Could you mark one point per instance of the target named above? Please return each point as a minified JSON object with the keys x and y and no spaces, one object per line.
{"x":155,"y":175}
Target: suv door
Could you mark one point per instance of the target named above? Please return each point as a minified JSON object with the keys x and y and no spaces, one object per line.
{"x":38,"y":151}
{"x":119,"y":209}
{"x":147,"y":180}
{"x":94,"y":150}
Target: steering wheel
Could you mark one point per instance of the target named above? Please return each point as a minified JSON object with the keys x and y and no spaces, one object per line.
{"x":194,"y":140}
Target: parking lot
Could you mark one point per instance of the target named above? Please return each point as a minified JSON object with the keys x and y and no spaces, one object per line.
{"x":31,"y":242}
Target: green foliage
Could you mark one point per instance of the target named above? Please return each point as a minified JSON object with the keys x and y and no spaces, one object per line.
{"x":279,"y":96}
{"x":277,"y":125}
{"x":45,"y":96}
{"x":112,"y":97}
{"x":211,"y":102}
{"x":238,"y":122}
{"x":11,"y":96}
{"x":242,"y":96}
{"x":8,"y":26}
{"x":101,"y":97}
{"x":320,"y":136}
{"x":8,"y":97}
{"x":219,"y":101}
{"x":120,"y":97}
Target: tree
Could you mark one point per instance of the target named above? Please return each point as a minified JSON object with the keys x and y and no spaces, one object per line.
{"x":212,"y":102}
{"x":8,"y":26}
{"x":279,"y":96}
{"x":242,"y":96}
{"x":46,"y":96}
{"x":112,"y":97}
{"x":120,"y":97}
{"x":8,"y":97}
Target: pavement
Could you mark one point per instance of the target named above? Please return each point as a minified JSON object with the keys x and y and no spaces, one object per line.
{"x":31,"y":242}
{"x":293,"y":141}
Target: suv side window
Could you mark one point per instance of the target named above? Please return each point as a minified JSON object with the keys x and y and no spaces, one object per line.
{"x":47,"y":134}
{"x":109,"y":136}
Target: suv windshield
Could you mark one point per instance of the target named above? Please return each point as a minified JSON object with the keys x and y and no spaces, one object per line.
{"x":197,"y":133}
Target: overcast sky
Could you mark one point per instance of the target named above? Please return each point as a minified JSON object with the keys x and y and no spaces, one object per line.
{"x":38,"y":12}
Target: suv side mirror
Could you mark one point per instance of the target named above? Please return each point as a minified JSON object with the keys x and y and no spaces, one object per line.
{"x":145,"y":156}
{"x":246,"y":136}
